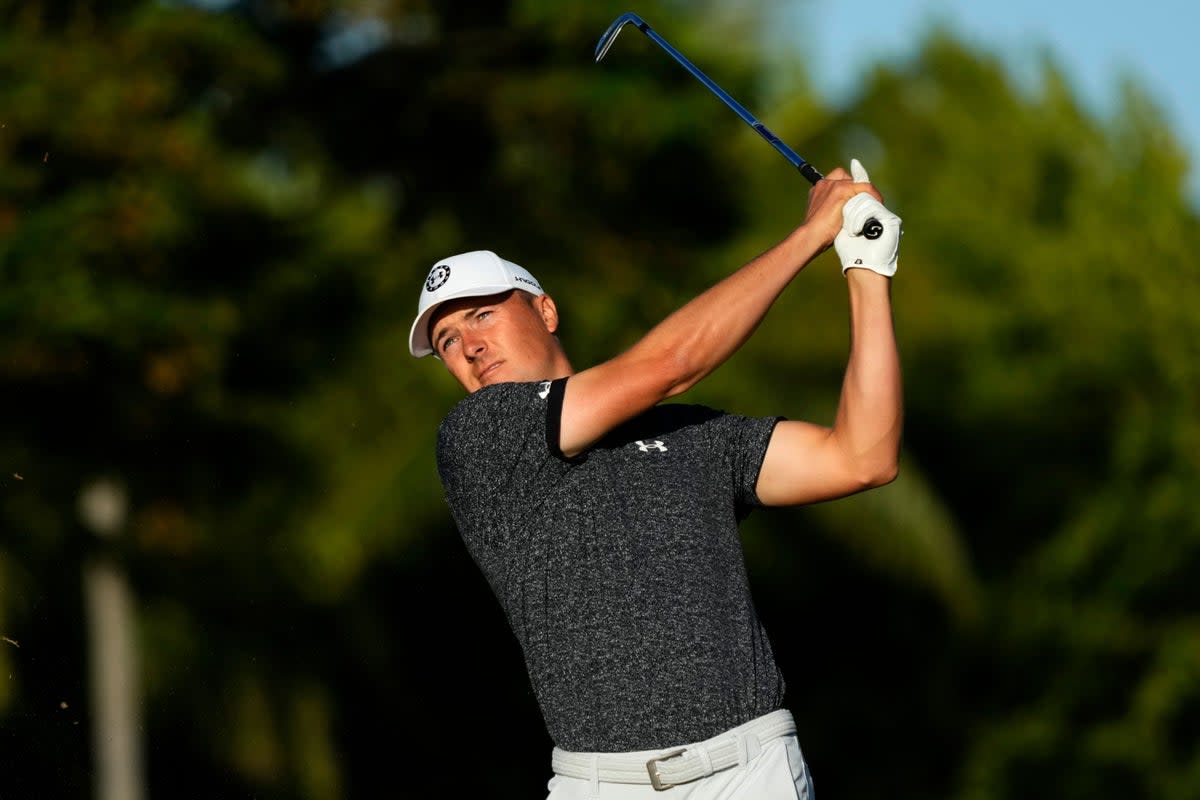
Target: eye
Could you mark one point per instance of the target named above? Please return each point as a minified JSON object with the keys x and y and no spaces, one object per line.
{"x":449,"y":340}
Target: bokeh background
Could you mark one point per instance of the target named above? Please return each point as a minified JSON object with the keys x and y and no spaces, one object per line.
{"x":226,"y":567}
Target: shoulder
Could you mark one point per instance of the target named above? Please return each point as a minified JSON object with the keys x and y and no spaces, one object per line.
{"x":493,"y":416}
{"x":735,"y":435}
{"x":498,"y":400}
{"x":491,"y":438}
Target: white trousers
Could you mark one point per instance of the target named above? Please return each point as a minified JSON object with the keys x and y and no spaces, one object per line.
{"x":778,"y":772}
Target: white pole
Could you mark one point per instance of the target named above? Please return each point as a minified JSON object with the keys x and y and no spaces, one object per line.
{"x":112,"y":651}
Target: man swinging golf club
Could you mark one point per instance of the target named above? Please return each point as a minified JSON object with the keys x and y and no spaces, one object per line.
{"x":606,"y":521}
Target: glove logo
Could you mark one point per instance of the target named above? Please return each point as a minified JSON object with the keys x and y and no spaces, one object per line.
{"x":437,"y":277}
{"x":858,"y":261}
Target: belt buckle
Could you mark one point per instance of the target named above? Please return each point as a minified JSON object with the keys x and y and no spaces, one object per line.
{"x":652,"y":769}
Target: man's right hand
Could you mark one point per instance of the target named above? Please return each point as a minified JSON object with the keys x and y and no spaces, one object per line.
{"x":826,"y":199}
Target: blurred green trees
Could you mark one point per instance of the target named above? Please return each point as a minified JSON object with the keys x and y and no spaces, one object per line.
{"x":213,"y":224}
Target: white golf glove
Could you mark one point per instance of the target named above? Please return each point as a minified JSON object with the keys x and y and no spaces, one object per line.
{"x":857,"y":251}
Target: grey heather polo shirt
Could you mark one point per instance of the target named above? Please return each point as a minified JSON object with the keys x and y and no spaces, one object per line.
{"x":621,"y":570}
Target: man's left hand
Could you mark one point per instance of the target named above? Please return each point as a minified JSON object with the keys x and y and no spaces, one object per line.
{"x":857,"y":251}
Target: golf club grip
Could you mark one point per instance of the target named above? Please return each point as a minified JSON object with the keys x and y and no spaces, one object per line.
{"x":872,"y":228}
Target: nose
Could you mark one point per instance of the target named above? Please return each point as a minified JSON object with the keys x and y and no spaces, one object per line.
{"x":473,"y":345}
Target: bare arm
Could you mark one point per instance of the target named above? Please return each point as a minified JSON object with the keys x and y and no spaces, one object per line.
{"x":808,"y":463}
{"x":691,"y":342}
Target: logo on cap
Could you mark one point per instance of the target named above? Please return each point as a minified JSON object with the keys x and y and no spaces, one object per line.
{"x":437,"y":277}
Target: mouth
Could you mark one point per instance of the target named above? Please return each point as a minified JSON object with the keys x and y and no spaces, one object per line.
{"x":488,"y":372}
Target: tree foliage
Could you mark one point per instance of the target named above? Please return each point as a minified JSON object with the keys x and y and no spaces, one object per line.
{"x":214,"y":220}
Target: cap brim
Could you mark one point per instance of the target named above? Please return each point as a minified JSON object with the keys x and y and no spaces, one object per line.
{"x":418,"y":335}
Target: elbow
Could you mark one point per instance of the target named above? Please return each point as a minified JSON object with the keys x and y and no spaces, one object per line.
{"x":888,"y":475}
{"x":678,"y":372}
{"x":868,"y":467}
{"x":878,"y":465}
{"x":878,"y":473}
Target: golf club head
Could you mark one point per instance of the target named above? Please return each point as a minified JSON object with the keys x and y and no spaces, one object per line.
{"x":610,"y":35}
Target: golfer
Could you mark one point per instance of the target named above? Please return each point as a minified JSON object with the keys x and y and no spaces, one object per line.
{"x":606,"y":521}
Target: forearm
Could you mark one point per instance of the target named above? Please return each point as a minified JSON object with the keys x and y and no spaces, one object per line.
{"x":870,"y":412}
{"x":698,"y":337}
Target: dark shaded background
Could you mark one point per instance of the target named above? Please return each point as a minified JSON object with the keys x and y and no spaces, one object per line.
{"x":214,"y":221}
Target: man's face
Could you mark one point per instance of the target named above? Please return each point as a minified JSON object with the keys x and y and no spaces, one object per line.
{"x":498,"y":338}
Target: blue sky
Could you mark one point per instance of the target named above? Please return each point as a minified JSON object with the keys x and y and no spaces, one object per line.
{"x":1154,"y":42}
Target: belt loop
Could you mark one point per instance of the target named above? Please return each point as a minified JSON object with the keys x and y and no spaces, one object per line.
{"x":748,"y":747}
{"x":595,"y":775}
{"x":753,"y":746}
{"x":705,"y":759}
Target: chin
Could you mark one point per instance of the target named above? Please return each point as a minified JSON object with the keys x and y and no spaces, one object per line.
{"x":496,"y":375}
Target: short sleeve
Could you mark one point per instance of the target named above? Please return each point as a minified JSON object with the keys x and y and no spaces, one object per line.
{"x":743,"y":442}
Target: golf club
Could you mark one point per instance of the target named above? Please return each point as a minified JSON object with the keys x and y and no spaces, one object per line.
{"x":872,"y":229}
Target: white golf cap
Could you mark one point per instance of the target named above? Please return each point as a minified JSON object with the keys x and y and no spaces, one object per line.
{"x":474,"y":274}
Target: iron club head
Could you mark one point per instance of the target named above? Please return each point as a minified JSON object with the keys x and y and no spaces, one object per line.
{"x":610,"y":35}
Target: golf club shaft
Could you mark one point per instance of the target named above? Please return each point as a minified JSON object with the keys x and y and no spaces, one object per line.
{"x":806,"y":169}
{"x":872,"y":229}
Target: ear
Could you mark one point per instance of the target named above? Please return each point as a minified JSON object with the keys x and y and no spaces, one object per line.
{"x":546,"y":309}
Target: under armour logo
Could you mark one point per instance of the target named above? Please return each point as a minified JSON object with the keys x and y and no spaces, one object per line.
{"x":544,"y":389}
{"x":646,"y":447}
